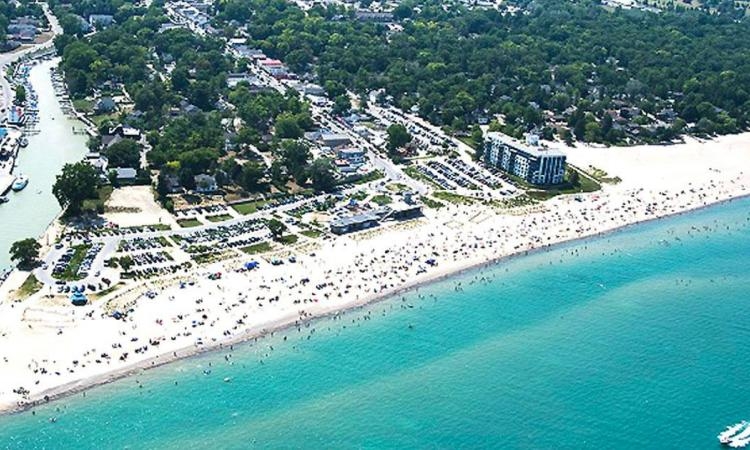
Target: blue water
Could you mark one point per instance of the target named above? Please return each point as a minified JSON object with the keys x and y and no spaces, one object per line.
{"x":634,"y":340}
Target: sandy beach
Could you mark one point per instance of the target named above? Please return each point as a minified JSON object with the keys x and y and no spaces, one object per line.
{"x":49,"y":348}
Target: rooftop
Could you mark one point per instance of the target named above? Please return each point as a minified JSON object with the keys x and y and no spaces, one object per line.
{"x":532,"y":150}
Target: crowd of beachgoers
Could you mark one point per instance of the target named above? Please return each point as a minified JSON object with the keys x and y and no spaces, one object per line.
{"x":49,"y":349}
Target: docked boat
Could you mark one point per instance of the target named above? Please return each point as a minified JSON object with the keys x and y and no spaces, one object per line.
{"x":4,"y":199}
{"x":24,"y":142}
{"x":20,"y":183}
{"x":726,"y":435}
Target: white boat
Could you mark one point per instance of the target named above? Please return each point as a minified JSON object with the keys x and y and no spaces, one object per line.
{"x":743,"y":434}
{"x":739,"y":443}
{"x":20,"y":183}
{"x":726,"y":435}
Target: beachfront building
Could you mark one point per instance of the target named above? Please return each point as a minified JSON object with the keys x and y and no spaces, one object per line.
{"x":529,"y":161}
{"x":348,"y":224}
{"x":399,"y":210}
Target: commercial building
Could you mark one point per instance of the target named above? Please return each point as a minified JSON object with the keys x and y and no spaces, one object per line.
{"x":528,"y":161}
{"x":400,"y":210}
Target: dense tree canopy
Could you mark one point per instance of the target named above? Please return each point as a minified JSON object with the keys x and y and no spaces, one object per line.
{"x":76,"y":183}
{"x":25,"y":252}
{"x":458,"y":65}
{"x":126,"y":153}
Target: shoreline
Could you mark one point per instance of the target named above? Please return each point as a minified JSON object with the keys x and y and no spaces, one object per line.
{"x":262,"y":330}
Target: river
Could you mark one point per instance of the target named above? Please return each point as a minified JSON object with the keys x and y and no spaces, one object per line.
{"x":30,"y":211}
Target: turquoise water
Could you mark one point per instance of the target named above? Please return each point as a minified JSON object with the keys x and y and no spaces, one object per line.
{"x":633,"y":340}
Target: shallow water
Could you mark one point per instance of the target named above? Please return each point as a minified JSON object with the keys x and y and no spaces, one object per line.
{"x":30,"y":211}
{"x":632,"y":340}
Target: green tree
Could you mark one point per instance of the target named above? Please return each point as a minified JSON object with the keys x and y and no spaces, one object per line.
{"x":126,"y":153}
{"x":76,"y":183}
{"x":277,"y":228}
{"x":294,"y":156}
{"x":398,"y":137}
{"x":251,"y":176}
{"x":286,"y":127}
{"x":478,"y":138}
{"x":321,"y":173}
{"x":20,"y":97}
{"x":199,"y":160}
{"x":25,"y":252}
{"x":341,"y":105}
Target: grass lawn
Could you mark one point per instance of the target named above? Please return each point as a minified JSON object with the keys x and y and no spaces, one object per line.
{"x":254,"y":249}
{"x":159,"y":227}
{"x":101,"y":118}
{"x":432,"y":203}
{"x":71,"y":271}
{"x":29,"y":287}
{"x":289,"y":239}
{"x":453,"y":198}
{"x":83,"y":105}
{"x":109,"y":290}
{"x":219,"y":218}
{"x":602,"y":177}
{"x":250,"y":207}
{"x":97,"y":204}
{"x":585,"y":184}
{"x":397,"y":187}
{"x":312,"y":233}
{"x":382,"y":199}
{"x":370,"y":176}
{"x":521,"y":200}
{"x":189,"y":223}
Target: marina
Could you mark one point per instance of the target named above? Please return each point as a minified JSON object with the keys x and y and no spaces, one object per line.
{"x":28,"y":212}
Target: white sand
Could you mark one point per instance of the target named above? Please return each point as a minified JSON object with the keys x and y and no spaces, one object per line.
{"x":69,"y":343}
{"x":139,"y":208}
{"x":674,"y":166}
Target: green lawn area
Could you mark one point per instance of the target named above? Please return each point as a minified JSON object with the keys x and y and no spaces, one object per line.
{"x":219,"y":218}
{"x":164,"y":241}
{"x":585,"y":184}
{"x":521,"y":200}
{"x":250,"y":207}
{"x":97,"y":204}
{"x":312,"y":233}
{"x":101,"y":118}
{"x":83,"y":105}
{"x":29,"y":287}
{"x":602,"y":177}
{"x":71,"y":271}
{"x":432,"y":203}
{"x":381,"y":199}
{"x":254,"y":249}
{"x":159,"y":227}
{"x":397,"y":187}
{"x":189,"y":223}
{"x":289,"y":239}
{"x":453,"y":198}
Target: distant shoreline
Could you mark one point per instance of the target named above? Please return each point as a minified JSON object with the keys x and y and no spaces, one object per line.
{"x":287,"y":322}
